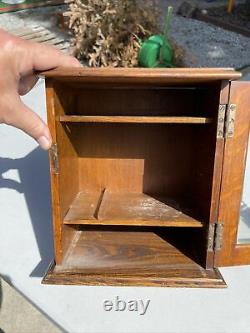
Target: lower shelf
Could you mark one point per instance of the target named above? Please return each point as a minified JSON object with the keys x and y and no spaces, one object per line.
{"x":136,"y":209}
{"x":138,"y":258}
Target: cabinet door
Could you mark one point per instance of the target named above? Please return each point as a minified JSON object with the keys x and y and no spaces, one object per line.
{"x":234,"y":207}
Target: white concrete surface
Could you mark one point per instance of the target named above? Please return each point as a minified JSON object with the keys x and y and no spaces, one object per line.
{"x":26,"y":250}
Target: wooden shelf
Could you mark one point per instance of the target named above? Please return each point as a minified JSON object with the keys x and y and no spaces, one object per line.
{"x":135,"y":119}
{"x":115,"y":257}
{"x":136,"y":209}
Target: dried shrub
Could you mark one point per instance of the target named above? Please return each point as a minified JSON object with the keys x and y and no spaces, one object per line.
{"x":108,"y":32}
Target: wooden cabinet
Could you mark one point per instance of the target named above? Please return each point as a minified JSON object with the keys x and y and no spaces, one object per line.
{"x":146,"y":175}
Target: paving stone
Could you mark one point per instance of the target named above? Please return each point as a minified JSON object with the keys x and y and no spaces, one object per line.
{"x":18,"y":315}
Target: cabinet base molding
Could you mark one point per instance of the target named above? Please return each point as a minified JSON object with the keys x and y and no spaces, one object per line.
{"x":208,"y":279}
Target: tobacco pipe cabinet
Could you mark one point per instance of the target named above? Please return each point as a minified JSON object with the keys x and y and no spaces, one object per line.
{"x":147,"y":170}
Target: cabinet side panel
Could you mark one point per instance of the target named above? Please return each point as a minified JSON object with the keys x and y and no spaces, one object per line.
{"x":57,"y":234}
{"x":64,"y":187}
{"x":68,"y":169}
{"x":68,"y":182}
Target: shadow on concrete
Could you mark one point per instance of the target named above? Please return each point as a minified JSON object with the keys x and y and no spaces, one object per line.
{"x":33,"y":171}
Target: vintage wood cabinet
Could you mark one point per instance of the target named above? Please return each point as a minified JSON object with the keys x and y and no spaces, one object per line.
{"x":147,"y":169}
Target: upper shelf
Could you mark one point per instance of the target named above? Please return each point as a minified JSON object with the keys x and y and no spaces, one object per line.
{"x":137,"y":209}
{"x":135,"y":119}
{"x":162,"y":76}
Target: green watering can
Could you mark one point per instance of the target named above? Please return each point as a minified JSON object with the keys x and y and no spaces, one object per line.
{"x":156,"y":51}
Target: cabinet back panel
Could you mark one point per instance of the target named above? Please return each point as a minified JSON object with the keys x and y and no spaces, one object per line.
{"x":136,"y":102}
{"x":159,"y":101}
{"x":134,"y":158}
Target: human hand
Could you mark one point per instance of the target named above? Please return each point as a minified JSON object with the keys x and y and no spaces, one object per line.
{"x":19,"y":60}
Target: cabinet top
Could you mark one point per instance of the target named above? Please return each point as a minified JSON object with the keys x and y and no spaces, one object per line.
{"x":142,"y":75}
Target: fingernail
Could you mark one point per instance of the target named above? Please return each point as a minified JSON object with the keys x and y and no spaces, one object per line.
{"x":44,"y":143}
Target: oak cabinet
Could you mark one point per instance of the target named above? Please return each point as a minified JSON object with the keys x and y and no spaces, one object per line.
{"x":147,"y":168}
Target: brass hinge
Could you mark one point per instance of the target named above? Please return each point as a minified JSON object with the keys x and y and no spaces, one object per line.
{"x":54,"y":158}
{"x":226,"y":120}
{"x":221,"y":120}
{"x":215,"y":236}
{"x":230,"y":120}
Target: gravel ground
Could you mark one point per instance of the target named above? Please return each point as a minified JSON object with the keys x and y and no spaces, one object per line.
{"x":205,"y":45}
{"x":210,"y":46}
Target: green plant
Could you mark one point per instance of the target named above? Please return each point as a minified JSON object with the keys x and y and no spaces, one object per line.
{"x":157,"y":50}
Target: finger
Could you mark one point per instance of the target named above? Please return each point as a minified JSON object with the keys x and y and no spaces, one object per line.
{"x":24,"y":118}
{"x":44,"y":57}
{"x":34,"y":56}
{"x":26,"y":83}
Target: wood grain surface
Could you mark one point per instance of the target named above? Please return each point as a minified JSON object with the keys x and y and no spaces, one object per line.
{"x":233,"y":179}
{"x":138,"y":153}
{"x":126,"y":257}
{"x":133,"y":119}
{"x":125,"y":209}
{"x":142,"y":75}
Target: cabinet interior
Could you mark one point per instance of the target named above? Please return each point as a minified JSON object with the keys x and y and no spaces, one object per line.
{"x":136,"y":169}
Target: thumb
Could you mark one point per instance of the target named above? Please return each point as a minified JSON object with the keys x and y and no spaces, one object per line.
{"x":24,"y":118}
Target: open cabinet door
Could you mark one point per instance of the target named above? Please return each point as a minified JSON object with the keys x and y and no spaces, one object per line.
{"x":234,"y":208}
